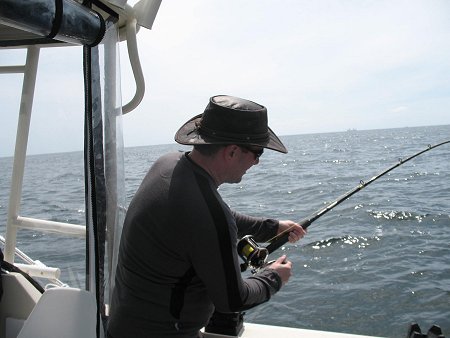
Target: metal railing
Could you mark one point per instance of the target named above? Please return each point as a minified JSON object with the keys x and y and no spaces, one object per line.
{"x":14,"y":220}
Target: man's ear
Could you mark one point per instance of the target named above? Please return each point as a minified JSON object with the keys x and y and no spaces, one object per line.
{"x":229,"y":151}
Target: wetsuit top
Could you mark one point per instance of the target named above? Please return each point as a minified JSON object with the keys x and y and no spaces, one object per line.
{"x":178,"y":258}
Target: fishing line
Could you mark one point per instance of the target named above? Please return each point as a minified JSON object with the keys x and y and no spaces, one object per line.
{"x":255,"y":256}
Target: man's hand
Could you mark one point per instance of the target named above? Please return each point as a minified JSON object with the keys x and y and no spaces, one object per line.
{"x":283,"y":267}
{"x":295,"y":230}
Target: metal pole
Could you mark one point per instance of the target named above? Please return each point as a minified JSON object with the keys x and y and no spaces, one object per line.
{"x":23,"y":128}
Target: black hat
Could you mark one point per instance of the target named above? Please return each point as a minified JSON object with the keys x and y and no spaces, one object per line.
{"x":230,"y":120}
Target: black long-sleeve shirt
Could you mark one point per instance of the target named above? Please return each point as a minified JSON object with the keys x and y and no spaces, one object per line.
{"x":178,"y":258}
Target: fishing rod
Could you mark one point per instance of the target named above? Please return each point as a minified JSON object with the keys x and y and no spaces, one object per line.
{"x":255,"y":256}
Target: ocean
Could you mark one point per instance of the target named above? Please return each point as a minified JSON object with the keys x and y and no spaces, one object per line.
{"x":374,"y":264}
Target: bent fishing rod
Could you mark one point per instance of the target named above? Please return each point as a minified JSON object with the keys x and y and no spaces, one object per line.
{"x":255,"y":256}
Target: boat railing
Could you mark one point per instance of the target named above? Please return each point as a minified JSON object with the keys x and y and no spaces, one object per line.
{"x":14,"y":220}
{"x":36,"y":268}
{"x":130,"y":19}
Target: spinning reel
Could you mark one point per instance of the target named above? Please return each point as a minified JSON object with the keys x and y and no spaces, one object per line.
{"x":252,"y":254}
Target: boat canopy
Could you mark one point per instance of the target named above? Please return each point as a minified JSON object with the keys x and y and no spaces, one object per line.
{"x":43,"y":21}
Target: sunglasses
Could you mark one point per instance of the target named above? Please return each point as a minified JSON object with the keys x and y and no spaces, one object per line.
{"x":256,"y":151}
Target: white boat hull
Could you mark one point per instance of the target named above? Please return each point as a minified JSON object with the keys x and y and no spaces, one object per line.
{"x":269,"y":331}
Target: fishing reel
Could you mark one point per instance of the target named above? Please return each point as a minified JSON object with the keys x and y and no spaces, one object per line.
{"x":252,"y":254}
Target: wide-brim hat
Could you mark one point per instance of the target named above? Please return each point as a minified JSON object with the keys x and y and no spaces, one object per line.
{"x":230,"y":120}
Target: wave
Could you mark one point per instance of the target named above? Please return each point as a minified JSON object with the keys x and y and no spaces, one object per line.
{"x":358,"y":241}
{"x":71,"y":177}
{"x":405,"y":215}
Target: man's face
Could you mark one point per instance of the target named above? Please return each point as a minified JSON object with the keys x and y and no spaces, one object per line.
{"x":244,"y":157}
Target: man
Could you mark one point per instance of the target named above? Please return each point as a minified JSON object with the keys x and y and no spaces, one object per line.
{"x":178,"y":260}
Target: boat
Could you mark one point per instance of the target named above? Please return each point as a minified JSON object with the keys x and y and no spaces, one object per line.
{"x":27,"y":308}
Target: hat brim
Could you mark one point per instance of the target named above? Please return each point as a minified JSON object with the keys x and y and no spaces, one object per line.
{"x":188,"y":134}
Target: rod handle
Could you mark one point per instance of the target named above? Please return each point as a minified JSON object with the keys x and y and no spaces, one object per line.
{"x":278,"y":242}
{"x":284,"y":238}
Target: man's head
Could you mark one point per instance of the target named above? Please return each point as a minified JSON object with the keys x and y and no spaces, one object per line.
{"x":230,"y":120}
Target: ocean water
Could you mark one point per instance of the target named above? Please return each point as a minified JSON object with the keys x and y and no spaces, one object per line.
{"x":374,"y":264}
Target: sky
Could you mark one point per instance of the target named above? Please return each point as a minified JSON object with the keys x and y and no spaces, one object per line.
{"x":318,"y":66}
